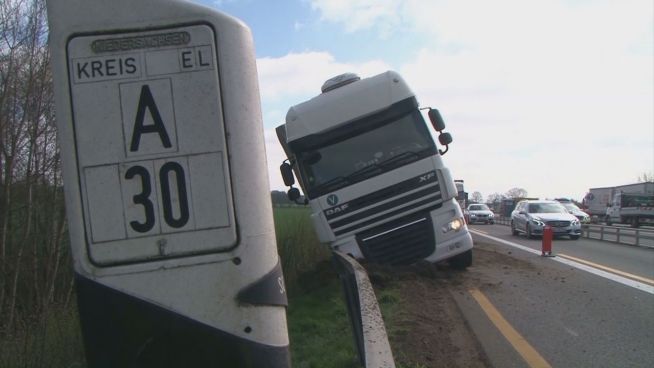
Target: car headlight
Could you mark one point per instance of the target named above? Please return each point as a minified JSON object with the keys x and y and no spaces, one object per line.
{"x":537,"y":222}
{"x":456,"y":225}
{"x":491,"y":215}
{"x":575,"y":222}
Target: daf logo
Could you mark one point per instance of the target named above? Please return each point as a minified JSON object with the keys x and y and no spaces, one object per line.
{"x":332,"y":200}
{"x":335,"y":210}
{"x":425,"y":177}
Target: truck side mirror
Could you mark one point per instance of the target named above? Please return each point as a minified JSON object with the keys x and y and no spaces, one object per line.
{"x":445,"y":138}
{"x":436,"y":119}
{"x":293,"y":194}
{"x":287,"y":174}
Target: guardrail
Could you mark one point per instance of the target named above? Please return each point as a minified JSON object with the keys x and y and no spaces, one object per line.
{"x":618,"y":234}
{"x":615,"y":234}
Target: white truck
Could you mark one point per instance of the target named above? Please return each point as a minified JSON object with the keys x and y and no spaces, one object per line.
{"x":629,"y":204}
{"x":372,"y":173}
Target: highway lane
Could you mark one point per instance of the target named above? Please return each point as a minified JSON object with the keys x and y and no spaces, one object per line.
{"x":571,"y":318}
{"x":627,"y":258}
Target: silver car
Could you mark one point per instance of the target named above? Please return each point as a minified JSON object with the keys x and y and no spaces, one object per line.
{"x":576,"y":211}
{"x":480,"y":213}
{"x":531,"y":216}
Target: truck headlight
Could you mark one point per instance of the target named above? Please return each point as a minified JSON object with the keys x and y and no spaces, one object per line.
{"x":456,"y":225}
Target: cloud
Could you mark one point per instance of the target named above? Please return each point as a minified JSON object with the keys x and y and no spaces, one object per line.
{"x":554,"y":96}
{"x":359,"y":14}
{"x":275,"y":156}
{"x":300,"y":75}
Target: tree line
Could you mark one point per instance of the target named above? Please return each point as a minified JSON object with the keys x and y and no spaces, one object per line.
{"x":35,"y":264}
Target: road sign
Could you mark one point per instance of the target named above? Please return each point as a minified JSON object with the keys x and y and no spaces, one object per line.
{"x":150,"y":141}
{"x":167,"y":194}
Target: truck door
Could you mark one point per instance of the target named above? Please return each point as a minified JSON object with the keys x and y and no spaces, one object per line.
{"x":613,"y":209}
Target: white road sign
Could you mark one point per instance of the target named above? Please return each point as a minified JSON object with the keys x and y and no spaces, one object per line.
{"x":150,"y":144}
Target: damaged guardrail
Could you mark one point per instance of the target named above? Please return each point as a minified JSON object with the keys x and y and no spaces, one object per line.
{"x":365,"y":317}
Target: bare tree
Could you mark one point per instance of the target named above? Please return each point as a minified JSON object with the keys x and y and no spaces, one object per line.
{"x":32,"y":225}
{"x":646,"y":177}
{"x":495,"y":198}
{"x":476,"y":197}
{"x":516,"y":193}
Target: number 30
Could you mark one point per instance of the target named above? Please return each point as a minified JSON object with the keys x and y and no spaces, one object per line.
{"x":143,"y":198}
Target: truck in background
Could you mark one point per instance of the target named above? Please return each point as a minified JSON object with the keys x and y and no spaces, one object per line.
{"x":372,"y":173}
{"x":629,"y":204}
{"x":462,"y":195}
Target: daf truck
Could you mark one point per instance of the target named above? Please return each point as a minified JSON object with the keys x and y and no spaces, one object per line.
{"x":373,"y":174}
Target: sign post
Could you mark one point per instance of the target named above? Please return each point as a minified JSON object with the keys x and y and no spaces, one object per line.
{"x":160,"y":128}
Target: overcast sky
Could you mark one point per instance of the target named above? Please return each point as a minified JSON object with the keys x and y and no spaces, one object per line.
{"x":551,"y":96}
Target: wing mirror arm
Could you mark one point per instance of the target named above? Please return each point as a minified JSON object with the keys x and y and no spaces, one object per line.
{"x":438,"y":124}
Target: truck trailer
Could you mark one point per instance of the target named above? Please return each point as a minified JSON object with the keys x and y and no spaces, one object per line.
{"x":629,"y":204}
{"x":372,"y":173}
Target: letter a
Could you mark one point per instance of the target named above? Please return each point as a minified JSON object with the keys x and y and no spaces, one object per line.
{"x":147,"y":101}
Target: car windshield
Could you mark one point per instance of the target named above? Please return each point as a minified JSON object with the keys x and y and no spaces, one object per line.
{"x":546,"y":208}
{"x":358,"y":157}
{"x":571,"y":207}
{"x":479,"y":207}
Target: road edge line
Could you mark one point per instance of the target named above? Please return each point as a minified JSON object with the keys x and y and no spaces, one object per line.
{"x":519,"y":343}
{"x":628,"y":275}
{"x":607,"y":275}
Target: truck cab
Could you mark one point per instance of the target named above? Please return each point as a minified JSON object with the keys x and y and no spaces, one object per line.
{"x":630,"y":208}
{"x":372,"y":173}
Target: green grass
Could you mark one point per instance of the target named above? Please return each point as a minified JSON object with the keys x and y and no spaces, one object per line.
{"x":319,"y":327}
{"x":55,"y":340}
{"x":297,"y":244}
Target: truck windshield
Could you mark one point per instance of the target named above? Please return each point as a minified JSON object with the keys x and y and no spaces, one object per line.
{"x":352,"y":158}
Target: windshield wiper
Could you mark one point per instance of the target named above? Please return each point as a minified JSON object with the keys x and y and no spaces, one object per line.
{"x":326,"y":186}
{"x":402,"y":157}
{"x":363,"y":171}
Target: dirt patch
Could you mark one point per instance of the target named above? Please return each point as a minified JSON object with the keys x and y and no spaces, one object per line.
{"x":429,"y":330}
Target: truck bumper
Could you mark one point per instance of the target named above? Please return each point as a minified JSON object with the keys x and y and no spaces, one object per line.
{"x":452,"y":247}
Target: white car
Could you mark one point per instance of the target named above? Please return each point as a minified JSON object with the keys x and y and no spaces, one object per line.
{"x":480,"y":213}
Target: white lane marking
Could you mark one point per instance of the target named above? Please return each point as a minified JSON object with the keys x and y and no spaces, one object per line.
{"x":607,"y":275}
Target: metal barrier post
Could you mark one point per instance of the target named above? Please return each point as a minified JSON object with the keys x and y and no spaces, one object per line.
{"x":546,"y":248}
{"x":617,"y":235}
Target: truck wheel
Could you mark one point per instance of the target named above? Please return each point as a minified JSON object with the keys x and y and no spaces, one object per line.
{"x":634,"y":222}
{"x":462,"y":261}
{"x":608,"y":221}
{"x":513,"y":230}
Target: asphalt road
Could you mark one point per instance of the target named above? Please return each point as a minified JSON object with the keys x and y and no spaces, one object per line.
{"x":626,"y":258}
{"x":594,"y":310}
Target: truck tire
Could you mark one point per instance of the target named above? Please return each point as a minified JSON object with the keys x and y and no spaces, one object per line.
{"x":461,"y":261}
{"x":634,"y":222}
{"x":608,"y":221}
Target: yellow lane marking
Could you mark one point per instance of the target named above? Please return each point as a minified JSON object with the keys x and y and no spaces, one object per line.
{"x":481,"y":231}
{"x":608,"y":269}
{"x":528,"y":353}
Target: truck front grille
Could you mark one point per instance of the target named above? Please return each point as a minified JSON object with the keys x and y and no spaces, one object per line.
{"x":399,"y":242}
{"x":420,"y":193}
